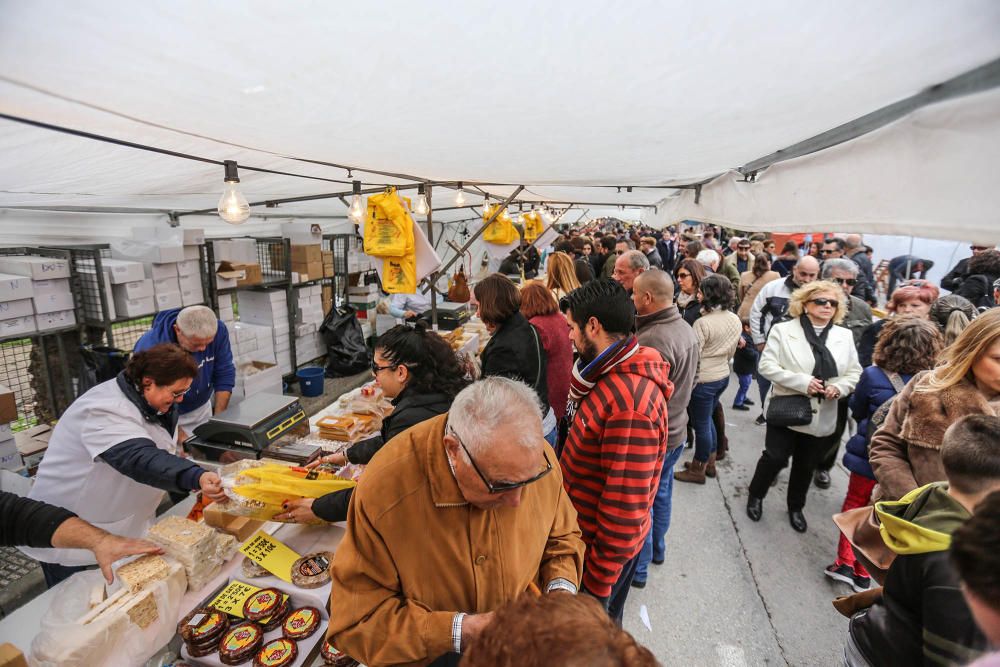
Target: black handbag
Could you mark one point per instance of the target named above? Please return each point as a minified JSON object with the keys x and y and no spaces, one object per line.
{"x":795,"y":410}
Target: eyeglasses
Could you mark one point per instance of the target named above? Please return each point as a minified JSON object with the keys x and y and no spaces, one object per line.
{"x":501,"y":487}
{"x":178,"y":394}
{"x":376,"y":368}
{"x":742,"y":247}
{"x":846,"y":281}
{"x":825,"y":302}
{"x":683,"y":275}
{"x":826,"y":251}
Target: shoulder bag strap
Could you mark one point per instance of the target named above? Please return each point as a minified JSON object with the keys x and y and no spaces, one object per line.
{"x":897,"y":381}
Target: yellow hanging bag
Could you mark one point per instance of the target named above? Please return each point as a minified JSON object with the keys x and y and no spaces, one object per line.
{"x":533,"y":226}
{"x":389,"y":226}
{"x":501,"y":231}
{"x":399,"y":274}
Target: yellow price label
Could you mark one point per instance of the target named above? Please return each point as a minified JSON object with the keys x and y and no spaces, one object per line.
{"x":231,"y":599}
{"x":270,"y":554}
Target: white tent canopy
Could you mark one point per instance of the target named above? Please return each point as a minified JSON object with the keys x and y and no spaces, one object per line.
{"x":570,"y":101}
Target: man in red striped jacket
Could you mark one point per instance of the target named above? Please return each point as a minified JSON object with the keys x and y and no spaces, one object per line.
{"x":617,"y":437}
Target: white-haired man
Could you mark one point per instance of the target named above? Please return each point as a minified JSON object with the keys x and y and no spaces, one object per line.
{"x":711,"y":260}
{"x":198,"y":331}
{"x":628,"y":266}
{"x":457,"y":516}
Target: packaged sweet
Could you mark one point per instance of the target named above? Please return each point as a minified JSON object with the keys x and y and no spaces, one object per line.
{"x":312,"y":570}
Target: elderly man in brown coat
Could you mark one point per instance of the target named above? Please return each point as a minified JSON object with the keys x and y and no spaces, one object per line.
{"x":454,"y":517}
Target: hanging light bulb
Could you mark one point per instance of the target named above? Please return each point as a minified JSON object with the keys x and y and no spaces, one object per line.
{"x":233,"y":206}
{"x":356,"y":212}
{"x":460,"y":196}
{"x":422,"y":207}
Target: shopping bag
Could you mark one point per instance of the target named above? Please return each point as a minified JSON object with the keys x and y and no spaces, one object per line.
{"x":533,"y":226}
{"x":346,"y":350}
{"x":399,"y":274}
{"x":388,"y":227}
{"x":501,"y":231}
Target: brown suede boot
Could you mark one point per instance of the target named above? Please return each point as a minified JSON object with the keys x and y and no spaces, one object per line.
{"x":695,"y":473}
{"x":710,"y":466}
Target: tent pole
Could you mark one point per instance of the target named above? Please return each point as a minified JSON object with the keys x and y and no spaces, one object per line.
{"x":434,"y":274}
{"x":468,"y":244}
{"x":909,"y":258}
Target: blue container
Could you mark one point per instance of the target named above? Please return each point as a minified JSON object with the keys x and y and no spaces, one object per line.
{"x":311,"y":380}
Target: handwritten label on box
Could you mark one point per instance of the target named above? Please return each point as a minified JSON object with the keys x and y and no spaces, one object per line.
{"x":270,"y":554}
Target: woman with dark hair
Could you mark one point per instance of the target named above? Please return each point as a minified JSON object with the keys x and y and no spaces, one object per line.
{"x":907,"y":346}
{"x":420,"y":373}
{"x":816,"y":250}
{"x":984,"y":270}
{"x":114,"y":452}
{"x":718,"y":331}
{"x":540,"y":307}
{"x":952,"y":313}
{"x":689,"y":275}
{"x":752,"y":281}
{"x":515,"y":350}
{"x":789,"y":256}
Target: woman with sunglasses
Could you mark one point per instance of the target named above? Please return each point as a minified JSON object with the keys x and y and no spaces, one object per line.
{"x":689,"y":275}
{"x":804,"y":356}
{"x":913,"y":297}
{"x":114,"y":452}
{"x":420,"y":373}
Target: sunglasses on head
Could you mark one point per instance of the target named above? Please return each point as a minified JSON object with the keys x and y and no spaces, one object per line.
{"x":825,"y":302}
{"x":846,"y":281}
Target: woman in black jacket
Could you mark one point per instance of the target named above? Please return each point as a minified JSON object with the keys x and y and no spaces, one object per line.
{"x":420,"y":372}
{"x":515,"y":351}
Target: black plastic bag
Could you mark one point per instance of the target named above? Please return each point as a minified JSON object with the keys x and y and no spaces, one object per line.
{"x":98,"y":364}
{"x":347,"y":353}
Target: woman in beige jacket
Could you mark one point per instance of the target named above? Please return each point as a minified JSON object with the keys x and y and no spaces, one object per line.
{"x":751,"y":282}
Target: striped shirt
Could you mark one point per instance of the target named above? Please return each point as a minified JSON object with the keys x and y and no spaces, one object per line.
{"x":612,"y":460}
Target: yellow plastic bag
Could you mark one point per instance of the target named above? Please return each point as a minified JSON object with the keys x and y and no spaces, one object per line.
{"x":399,"y":274}
{"x":389,"y":226}
{"x":533,"y":226}
{"x":501,"y":231}
{"x":262,"y":489}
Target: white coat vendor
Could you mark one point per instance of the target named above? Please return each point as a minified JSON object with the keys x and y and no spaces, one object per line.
{"x":113,"y":454}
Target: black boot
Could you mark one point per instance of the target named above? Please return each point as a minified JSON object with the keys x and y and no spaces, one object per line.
{"x":798,"y":520}
{"x":755,"y":508}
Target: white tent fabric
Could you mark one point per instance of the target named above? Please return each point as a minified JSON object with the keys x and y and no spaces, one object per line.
{"x":570,"y":100}
{"x":930,"y":174}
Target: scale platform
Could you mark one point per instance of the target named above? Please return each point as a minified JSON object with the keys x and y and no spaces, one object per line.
{"x":252,"y":425}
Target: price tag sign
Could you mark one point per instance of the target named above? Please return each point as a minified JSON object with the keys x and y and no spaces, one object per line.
{"x":230,"y":600}
{"x":270,"y":554}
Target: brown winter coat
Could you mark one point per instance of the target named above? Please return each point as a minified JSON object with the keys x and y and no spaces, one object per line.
{"x":905,"y":453}
{"x":749,"y":286}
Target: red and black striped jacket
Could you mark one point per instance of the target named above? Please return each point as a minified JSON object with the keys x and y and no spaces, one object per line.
{"x":612,"y":460}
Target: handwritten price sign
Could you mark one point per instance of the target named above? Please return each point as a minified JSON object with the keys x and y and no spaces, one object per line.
{"x":231,"y":599}
{"x":270,"y":554}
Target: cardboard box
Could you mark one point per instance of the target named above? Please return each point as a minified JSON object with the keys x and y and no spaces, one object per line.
{"x":15,"y":287}
{"x":137,"y":289}
{"x":192,"y":297}
{"x":50,"y":303}
{"x":191,"y":283}
{"x":252,"y":273}
{"x":135,"y":307}
{"x":147,"y":251}
{"x":10,"y":458}
{"x":6,"y":433}
{"x":240,"y":527}
{"x":302,"y":233}
{"x":313,"y":269}
{"x":168,"y":300}
{"x":19,"y":308}
{"x":39,"y":268}
{"x":161,"y":271}
{"x":55,"y":320}
{"x":17,"y":326}
{"x":192,"y":252}
{"x":166,"y":285}
{"x":189,"y":267}
{"x":123,"y":270}
{"x":32,"y":443}
{"x":244,"y":251}
{"x":8,"y":408}
{"x":172,"y":235}
{"x":305,"y":254}
{"x":266,"y":379}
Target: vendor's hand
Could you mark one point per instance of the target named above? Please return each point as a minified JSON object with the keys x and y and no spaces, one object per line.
{"x":298,"y":511}
{"x":831,"y":393}
{"x":111,"y":548}
{"x":211,"y":486}
{"x":409,"y":314}
{"x":816,"y":387}
{"x":338,"y":459}
{"x":473,"y":625}
{"x":760,"y":347}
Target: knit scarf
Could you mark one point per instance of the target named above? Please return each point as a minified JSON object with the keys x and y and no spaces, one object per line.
{"x":586,"y":376}
{"x":826,"y":365}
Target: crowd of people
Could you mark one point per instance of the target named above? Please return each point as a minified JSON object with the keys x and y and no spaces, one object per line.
{"x":506,"y":501}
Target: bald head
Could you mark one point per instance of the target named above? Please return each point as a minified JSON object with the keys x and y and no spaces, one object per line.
{"x":658,"y":284}
{"x":852,"y":241}
{"x":805,"y":270}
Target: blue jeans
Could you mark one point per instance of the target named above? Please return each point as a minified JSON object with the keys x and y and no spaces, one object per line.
{"x":741,"y":395}
{"x":703,"y":399}
{"x":655,"y":547}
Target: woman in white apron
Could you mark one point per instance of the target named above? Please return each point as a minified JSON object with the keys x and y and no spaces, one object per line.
{"x":113,"y":454}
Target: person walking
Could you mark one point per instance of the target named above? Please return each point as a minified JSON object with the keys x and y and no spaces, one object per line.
{"x":661,"y":327}
{"x":689,"y":275}
{"x":804,"y":357}
{"x":751,"y":283}
{"x":718,"y":331}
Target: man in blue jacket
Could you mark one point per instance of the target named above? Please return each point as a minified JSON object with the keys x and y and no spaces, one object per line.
{"x":197,"y":330}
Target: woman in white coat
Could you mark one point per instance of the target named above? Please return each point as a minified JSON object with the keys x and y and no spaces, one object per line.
{"x":113,"y":454}
{"x":806,"y":356}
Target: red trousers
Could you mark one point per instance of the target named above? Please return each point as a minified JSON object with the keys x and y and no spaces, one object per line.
{"x":859,"y":494}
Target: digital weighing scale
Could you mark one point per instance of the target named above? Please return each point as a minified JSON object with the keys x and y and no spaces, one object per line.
{"x":252,"y":426}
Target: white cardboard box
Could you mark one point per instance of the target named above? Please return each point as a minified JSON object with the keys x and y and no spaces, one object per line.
{"x":17,"y":326}
{"x":244,"y":251}
{"x":147,"y":251}
{"x":179,"y":235}
{"x":302,"y":233}
{"x":190,"y":282}
{"x":161,"y":271}
{"x":6,"y":433}
{"x":15,"y":287}
{"x":226,"y":301}
{"x":39,"y":268}
{"x":19,"y":308}
{"x":226,"y":314}
{"x":168,"y":300}
{"x":56,"y":320}
{"x":10,"y":458}
{"x":192,"y":252}
{"x":50,"y":303}
{"x":123,"y":270}
{"x":188,"y":267}
{"x":53,"y":286}
{"x":137,"y":289}
{"x":135,"y":307}
{"x":166,"y":285}
{"x":266,"y":379}
{"x":222,"y":250}
{"x":192,"y":297}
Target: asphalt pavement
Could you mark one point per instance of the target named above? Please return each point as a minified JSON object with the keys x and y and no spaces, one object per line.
{"x":733,"y":592}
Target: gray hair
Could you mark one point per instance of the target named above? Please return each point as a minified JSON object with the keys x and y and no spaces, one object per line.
{"x":480,"y":409}
{"x":852,"y":241}
{"x":708,"y":257}
{"x":637,"y":261}
{"x":198,"y":322}
{"x":840,"y":264}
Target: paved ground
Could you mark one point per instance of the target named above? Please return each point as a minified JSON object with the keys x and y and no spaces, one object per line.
{"x":733,"y":592}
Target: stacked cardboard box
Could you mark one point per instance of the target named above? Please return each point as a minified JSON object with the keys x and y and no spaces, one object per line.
{"x":10,"y":458}
{"x":236,"y":263}
{"x":166,"y":287}
{"x":176,"y":278}
{"x":270,"y":309}
{"x":251,"y":342}
{"x":363,"y":299}
{"x":226,"y":313}
{"x":302,"y":233}
{"x":16,"y":307}
{"x":357,"y":260}
{"x":328,"y":264}
{"x":307,"y":262}
{"x":256,"y":377}
{"x":308,"y":341}
{"x":326,"y":298}
{"x":51,"y":305}
{"x":117,"y":272}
